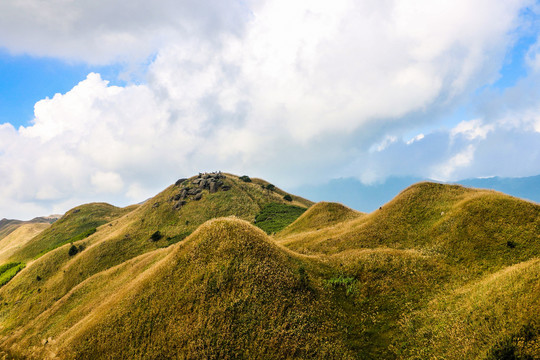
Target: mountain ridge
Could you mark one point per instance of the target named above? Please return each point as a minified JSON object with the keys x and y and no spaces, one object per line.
{"x":367,"y":198}
{"x":190,"y":273}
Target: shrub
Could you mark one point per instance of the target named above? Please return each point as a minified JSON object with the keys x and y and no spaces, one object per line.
{"x":511,"y":244}
{"x":156,"y":236}
{"x":73,"y":250}
{"x":287,"y":197}
{"x":245,"y":178}
{"x":270,"y":187}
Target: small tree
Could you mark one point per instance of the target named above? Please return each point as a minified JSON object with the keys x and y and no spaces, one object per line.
{"x":270,"y":187}
{"x":156,"y":236}
{"x":287,"y":197}
{"x":73,"y":250}
{"x":245,"y":178}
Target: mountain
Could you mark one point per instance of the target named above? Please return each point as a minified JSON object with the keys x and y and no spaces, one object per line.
{"x":354,"y":193}
{"x":7,"y":226}
{"x":14,"y":234}
{"x":526,"y":187}
{"x":222,"y":266}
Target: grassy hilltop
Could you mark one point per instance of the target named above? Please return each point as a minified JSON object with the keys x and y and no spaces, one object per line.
{"x":221,"y":266}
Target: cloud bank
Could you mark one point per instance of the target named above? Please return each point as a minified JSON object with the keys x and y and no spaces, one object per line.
{"x":297,"y":92}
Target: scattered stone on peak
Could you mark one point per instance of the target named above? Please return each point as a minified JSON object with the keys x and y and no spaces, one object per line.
{"x":180,"y":181}
{"x":193,"y":189}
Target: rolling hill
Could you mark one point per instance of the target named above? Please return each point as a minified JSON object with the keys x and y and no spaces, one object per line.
{"x":222,"y":266}
{"x":368,"y":197}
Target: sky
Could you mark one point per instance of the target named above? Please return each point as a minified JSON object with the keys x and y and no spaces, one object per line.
{"x":114,"y":100}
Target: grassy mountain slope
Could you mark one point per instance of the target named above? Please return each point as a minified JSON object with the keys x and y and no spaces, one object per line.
{"x":429,"y":241}
{"x":74,"y":225}
{"x":129,"y":233}
{"x":18,"y":238}
{"x":476,"y":229}
{"x":320,"y":215}
{"x":493,"y":318}
{"x":439,"y":265}
{"x":225,"y":292}
{"x":8,"y":226}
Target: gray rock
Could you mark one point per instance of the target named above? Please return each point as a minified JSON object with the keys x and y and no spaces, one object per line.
{"x":225,"y":188}
{"x":180,"y":181}
{"x":155,"y":205}
{"x":183,"y":194}
{"x":213,"y":187}
{"x":197,"y":197}
{"x":179,"y":204}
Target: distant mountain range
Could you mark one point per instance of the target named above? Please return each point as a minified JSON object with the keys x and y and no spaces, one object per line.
{"x":366,"y":198}
{"x":7,"y":226}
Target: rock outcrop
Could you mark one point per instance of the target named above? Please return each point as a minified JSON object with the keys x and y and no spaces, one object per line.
{"x":193,"y":190}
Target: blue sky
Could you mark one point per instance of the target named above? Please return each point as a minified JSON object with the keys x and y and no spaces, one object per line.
{"x":113,"y":103}
{"x":26,"y":79}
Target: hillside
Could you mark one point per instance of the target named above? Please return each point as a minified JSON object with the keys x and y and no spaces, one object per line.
{"x":19,"y":238}
{"x":369,"y":197}
{"x":8,"y":226}
{"x":190,"y":274}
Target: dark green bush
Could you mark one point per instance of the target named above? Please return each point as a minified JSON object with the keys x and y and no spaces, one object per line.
{"x":156,"y":236}
{"x":73,"y":250}
{"x":245,"y":178}
{"x":287,"y":197}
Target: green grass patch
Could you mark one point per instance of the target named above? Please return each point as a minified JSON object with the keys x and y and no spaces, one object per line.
{"x":345,"y":282}
{"x":177,"y":238}
{"x":75,"y":225}
{"x":78,"y":237}
{"x":275,"y":217}
{"x":9,"y":270}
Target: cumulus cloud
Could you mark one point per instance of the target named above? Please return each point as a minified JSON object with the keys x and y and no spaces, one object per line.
{"x":471,"y":129}
{"x":507,"y":149}
{"x":285,"y":90}
{"x":101,"y":31}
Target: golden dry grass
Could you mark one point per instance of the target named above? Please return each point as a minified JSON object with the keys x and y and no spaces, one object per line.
{"x":19,"y":238}
{"x":321,"y":215}
{"x":437,"y":266}
{"x":227,"y":291}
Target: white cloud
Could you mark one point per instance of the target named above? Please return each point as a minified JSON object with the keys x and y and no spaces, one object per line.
{"x":416,"y":138}
{"x":105,"y":182}
{"x":447,"y":170}
{"x":104,"y":31}
{"x":383,"y":144}
{"x":472,"y":129}
{"x":288,"y":90}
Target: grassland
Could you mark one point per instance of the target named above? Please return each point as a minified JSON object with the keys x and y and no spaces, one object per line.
{"x":18,"y":238}
{"x":440,"y":272}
